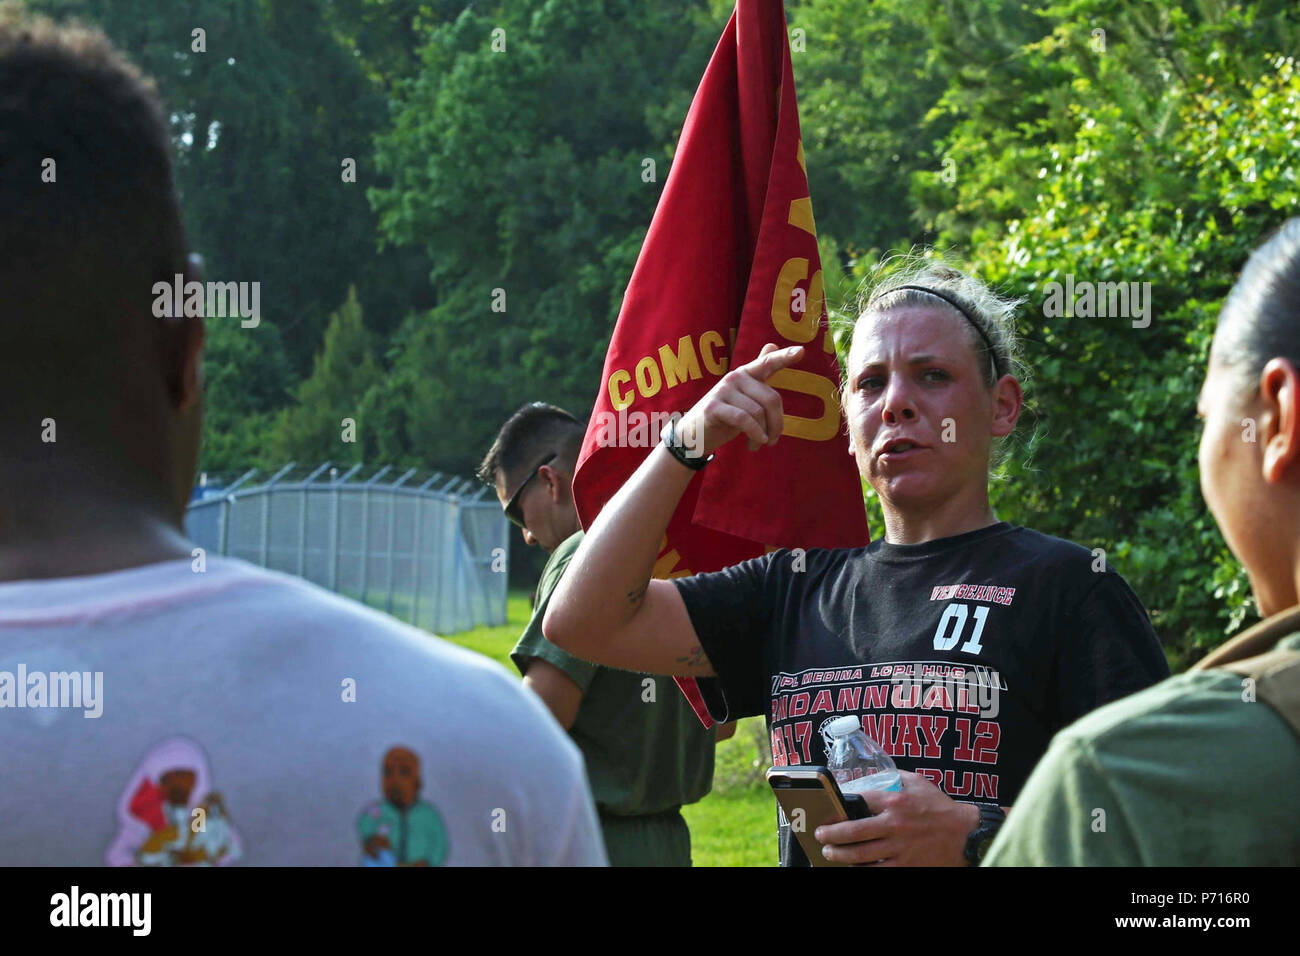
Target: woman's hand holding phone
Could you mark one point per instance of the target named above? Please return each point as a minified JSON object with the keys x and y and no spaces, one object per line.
{"x":919,"y":825}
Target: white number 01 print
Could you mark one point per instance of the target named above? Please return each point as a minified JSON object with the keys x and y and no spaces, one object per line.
{"x":956,"y":613}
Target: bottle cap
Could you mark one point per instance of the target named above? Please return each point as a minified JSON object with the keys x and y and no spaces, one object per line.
{"x":843,"y":726}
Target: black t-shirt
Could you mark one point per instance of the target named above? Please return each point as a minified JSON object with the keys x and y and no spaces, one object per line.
{"x":962,"y":656}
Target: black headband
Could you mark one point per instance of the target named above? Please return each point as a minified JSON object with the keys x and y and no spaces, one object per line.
{"x":993,"y":355}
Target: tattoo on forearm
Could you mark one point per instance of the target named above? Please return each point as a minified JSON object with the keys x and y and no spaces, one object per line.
{"x":637,"y":595}
{"x":695,"y":660}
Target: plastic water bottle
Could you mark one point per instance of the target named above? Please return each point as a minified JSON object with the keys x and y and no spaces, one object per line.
{"x":857,"y":761}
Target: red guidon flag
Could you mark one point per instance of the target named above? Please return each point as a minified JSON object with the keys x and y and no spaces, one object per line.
{"x":730,"y":263}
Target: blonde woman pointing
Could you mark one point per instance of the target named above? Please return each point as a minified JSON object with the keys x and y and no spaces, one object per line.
{"x":963,"y":643}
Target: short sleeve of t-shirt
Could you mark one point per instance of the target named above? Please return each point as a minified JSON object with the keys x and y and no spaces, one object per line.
{"x":733,"y":612}
{"x":1113,"y":651}
{"x":532,"y":644}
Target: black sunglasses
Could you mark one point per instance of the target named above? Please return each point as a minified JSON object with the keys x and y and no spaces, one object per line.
{"x":512,"y":506}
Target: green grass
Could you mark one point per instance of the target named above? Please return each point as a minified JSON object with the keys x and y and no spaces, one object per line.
{"x":496,"y":642}
{"x":736,"y":828}
{"x":735,"y":825}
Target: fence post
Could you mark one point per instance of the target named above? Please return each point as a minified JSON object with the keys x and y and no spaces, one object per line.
{"x":335,"y":546}
{"x":392,"y":534}
{"x":457,"y":547}
{"x":442,"y":562}
{"x":482,"y":567}
{"x":302,"y":518}
{"x":223,"y":535}
{"x":268,"y":494}
{"x":419,"y":530}
{"x":365,"y":529}
{"x":415,"y":562}
{"x":334,"y":533}
{"x":228,"y":503}
{"x":365,"y":538}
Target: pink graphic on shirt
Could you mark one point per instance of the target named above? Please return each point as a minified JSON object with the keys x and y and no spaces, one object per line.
{"x":917,"y":711}
{"x":168,"y":815}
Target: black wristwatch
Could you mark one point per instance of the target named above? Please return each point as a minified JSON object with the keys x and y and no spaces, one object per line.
{"x":979,"y":839}
{"x":673,"y":442}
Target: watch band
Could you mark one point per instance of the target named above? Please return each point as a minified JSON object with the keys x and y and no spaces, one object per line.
{"x":979,"y":839}
{"x":673,"y":442}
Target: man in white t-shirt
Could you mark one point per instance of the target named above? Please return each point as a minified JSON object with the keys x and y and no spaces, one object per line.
{"x":160,"y":707}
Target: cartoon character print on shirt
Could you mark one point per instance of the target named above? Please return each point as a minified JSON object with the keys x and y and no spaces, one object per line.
{"x":168,"y":815}
{"x":401,"y":829}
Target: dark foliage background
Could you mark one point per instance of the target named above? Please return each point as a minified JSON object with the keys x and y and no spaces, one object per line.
{"x":1152,"y":142}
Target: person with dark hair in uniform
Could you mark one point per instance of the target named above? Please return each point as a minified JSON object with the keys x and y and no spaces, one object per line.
{"x":647,"y":754}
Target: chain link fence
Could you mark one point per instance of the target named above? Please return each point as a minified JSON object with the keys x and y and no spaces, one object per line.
{"x":427,"y":549}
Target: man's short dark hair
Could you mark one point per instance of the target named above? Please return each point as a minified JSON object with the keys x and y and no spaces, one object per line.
{"x":534,"y":431}
{"x":89,"y":218}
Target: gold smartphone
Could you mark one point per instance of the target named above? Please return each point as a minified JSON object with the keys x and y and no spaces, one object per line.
{"x":809,"y":797}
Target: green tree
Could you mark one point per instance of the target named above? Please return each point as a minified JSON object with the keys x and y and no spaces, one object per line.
{"x":246,"y":376}
{"x":868,"y":78}
{"x":518,"y":162}
{"x":1179,"y":157}
{"x":263,"y":119}
{"x":324,"y":423}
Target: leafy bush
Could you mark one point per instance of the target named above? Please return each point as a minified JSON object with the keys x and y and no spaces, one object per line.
{"x":1173,"y":185}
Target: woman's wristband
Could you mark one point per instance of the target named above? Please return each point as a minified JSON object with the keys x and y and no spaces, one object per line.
{"x":677,"y":448}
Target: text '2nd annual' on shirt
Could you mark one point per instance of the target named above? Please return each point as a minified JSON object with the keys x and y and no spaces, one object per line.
{"x":962,"y":656}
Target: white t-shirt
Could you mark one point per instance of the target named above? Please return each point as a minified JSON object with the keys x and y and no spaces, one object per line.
{"x":238,"y":715}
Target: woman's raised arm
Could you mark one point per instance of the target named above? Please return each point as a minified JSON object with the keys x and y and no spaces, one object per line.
{"x":606,"y":608}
